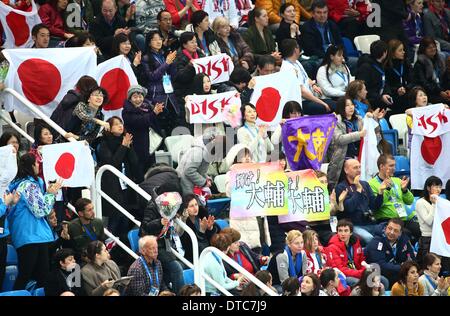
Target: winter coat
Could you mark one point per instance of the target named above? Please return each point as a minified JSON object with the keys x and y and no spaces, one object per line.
{"x":433,"y":27}
{"x":279,"y":266}
{"x":63,"y":112}
{"x":257,"y":44}
{"x":138,"y":121}
{"x":311,"y":39}
{"x":338,"y":148}
{"x":83,"y":122}
{"x":425,"y":75}
{"x":175,"y":6}
{"x":414,"y":28}
{"x":284,"y":32}
{"x":243,"y":50}
{"x":94,"y":275}
{"x":251,"y":256}
{"x":184,"y":76}
{"x":4,"y":219}
{"x":333,"y":86}
{"x":110,"y":151}
{"x":373,"y":80}
{"x":379,"y":251}
{"x":103,"y":32}
{"x":273,"y":10}
{"x":28,"y":218}
{"x":314,"y":265}
{"x":338,"y":256}
{"x":393,"y":82}
{"x":337,"y":7}
{"x":258,"y":146}
{"x":193,"y":166}
{"x":53,"y":19}
{"x":158,"y":176}
{"x":79,"y":239}
{"x":146,"y":12}
{"x":56,"y":284}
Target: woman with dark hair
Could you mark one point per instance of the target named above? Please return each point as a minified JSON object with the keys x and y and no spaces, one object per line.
{"x":433,"y":284}
{"x":425,"y":208}
{"x":333,"y":76}
{"x":291,"y":109}
{"x":346,"y":138}
{"x":252,"y":290}
{"x":310,"y":285}
{"x":408,"y":283}
{"x":368,"y":287}
{"x":206,"y":40}
{"x":290,"y":287}
{"x":121,"y":45}
{"x":417,"y":97}
{"x":398,"y":76}
{"x":259,"y":37}
{"x":51,"y":15}
{"x":429,"y":70}
{"x":232,"y":44}
{"x":101,"y":272}
{"x":115,"y":148}
{"x":255,"y":137}
{"x":185,"y":71}
{"x":30,"y":230}
{"x":11,"y":138}
{"x":87,"y":118}
{"x":158,"y":75}
{"x":357,"y":91}
{"x":329,"y":280}
{"x":196,"y":217}
{"x":288,"y":28}
{"x":42,"y":136}
{"x":63,"y":112}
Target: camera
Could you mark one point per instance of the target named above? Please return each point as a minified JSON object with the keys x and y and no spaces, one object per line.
{"x":368,"y":215}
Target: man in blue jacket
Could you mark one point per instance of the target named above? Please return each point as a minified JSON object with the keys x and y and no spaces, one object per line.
{"x":359,"y":202}
{"x":389,"y":249}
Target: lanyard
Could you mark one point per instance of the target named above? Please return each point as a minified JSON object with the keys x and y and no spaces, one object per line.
{"x":418,"y":21}
{"x":383,"y":77}
{"x":92,"y":237}
{"x":159,"y":58}
{"x":233,"y":50}
{"x":299,"y":69}
{"x":249,"y":130}
{"x":399,"y":73}
{"x":319,"y":260}
{"x":204,"y":46}
{"x":395,"y":188}
{"x":430,"y":280}
{"x":239,"y":259}
{"x":406,"y":290}
{"x":149,"y":274}
{"x":394,"y":250}
{"x":325,"y":30}
{"x":343,"y":76}
{"x":351,"y":262}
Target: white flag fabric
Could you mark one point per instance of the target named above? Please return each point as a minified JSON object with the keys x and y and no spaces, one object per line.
{"x":17,"y":25}
{"x":44,"y":76}
{"x":209,"y":108}
{"x":369,"y":151}
{"x":217,"y":67}
{"x":8,"y":167}
{"x":116,"y":76}
{"x":440,"y":237}
{"x":72,"y":162}
{"x":270,"y":94}
{"x":430,"y":145}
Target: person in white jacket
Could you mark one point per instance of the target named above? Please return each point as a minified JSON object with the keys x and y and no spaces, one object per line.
{"x":333,"y":76}
{"x":425,"y":208}
{"x":433,"y":284}
{"x":225,"y":8}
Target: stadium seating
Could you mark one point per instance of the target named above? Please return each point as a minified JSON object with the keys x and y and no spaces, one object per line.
{"x":16,"y":293}
{"x":11,"y":273}
{"x":363,"y":42}
{"x":398,"y":122}
{"x":11,"y":257}
{"x":402,"y":167}
{"x":188,"y":276}
{"x":391,"y":136}
{"x":133,"y":238}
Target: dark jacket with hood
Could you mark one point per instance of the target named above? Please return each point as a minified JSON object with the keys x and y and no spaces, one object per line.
{"x":63,"y":112}
{"x":379,"y":251}
{"x":110,"y":151}
{"x":373,"y":79}
{"x":185,"y":73}
{"x":56,"y":284}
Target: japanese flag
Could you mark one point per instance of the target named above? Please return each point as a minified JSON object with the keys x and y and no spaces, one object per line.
{"x":18,"y":24}
{"x":271,"y":92}
{"x":440,"y":238}
{"x":72,"y":162}
{"x":44,"y":76}
{"x":116,"y":76}
{"x":368,"y":150}
{"x":430,"y":146}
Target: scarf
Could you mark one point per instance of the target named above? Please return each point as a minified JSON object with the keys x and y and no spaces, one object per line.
{"x":443,"y":19}
{"x":189,"y":56}
{"x":294,"y":271}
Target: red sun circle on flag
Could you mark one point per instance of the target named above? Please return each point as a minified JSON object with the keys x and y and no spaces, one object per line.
{"x":431,"y":149}
{"x":41,"y":80}
{"x":65,"y":165}
{"x":116,"y":82}
{"x":446,"y":229}
{"x":268,"y":104}
{"x":18,"y":25}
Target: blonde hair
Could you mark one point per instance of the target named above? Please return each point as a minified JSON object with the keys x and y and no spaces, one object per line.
{"x":308,"y":239}
{"x":293,"y":235}
{"x":218,"y":22}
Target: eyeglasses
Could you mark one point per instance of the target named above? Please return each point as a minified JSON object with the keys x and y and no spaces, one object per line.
{"x":98,"y":94}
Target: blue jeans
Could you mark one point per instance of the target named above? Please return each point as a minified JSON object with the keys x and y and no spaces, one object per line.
{"x":365,"y":232}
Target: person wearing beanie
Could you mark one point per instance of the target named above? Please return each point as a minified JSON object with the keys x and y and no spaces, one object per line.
{"x":138,"y":117}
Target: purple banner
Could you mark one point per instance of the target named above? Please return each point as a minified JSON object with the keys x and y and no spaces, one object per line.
{"x":306,"y":140}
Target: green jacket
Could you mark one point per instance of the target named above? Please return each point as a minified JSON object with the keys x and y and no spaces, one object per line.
{"x":387,"y":209}
{"x":256,"y":43}
{"x":80,"y":238}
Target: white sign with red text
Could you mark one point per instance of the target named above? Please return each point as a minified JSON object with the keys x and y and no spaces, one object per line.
{"x":209,"y":108}
{"x":217,"y":67}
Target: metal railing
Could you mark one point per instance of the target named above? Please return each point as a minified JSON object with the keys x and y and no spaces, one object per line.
{"x":235,"y":266}
{"x":5,"y":116}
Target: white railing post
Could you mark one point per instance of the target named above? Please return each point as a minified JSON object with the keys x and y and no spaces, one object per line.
{"x":195,"y":256}
{"x":16,"y":128}
{"x":235,"y":266}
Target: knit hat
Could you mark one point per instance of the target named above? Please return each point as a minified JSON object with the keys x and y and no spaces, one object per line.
{"x":136,"y":89}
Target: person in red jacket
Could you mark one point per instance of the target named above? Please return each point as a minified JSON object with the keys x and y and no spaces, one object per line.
{"x":350,"y":16}
{"x":181,"y":11}
{"x":344,"y":252}
{"x":51,"y":15}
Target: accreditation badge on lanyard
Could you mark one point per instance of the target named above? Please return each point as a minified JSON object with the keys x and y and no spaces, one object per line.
{"x":167,"y":84}
{"x":399,"y":206}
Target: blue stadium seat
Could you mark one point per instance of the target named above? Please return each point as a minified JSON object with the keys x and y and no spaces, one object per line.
{"x":387,"y":293}
{"x":402,"y":167}
{"x":218,"y":207}
{"x":384,"y":124}
{"x":11,"y":256}
{"x":38,"y":292}
{"x":16,"y":293}
{"x":412,"y":208}
{"x":391,"y":136}
{"x":133,"y":238}
{"x":188,"y":276}
{"x":350,"y":50}
{"x":11,"y":273}
{"x":222,"y":223}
